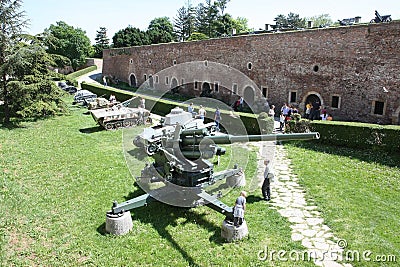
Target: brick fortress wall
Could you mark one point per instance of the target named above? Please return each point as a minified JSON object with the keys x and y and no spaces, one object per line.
{"x":354,"y":66}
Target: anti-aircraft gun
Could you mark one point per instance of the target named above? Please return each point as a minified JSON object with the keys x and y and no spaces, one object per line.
{"x":181,"y":147}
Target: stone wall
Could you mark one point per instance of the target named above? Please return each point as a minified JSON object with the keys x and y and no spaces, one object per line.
{"x":358,"y":66}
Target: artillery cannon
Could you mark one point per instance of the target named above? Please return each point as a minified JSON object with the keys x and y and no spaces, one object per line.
{"x":181,"y":147}
{"x":381,"y":18}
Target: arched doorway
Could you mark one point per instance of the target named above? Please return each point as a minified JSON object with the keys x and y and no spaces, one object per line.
{"x":248,"y":95}
{"x":174,"y":83}
{"x":206,"y":90}
{"x":132,"y":80}
{"x":312,"y":98}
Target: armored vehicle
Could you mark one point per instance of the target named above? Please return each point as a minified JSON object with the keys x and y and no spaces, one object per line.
{"x":84,"y":96}
{"x":101,"y":102}
{"x":120,"y":116}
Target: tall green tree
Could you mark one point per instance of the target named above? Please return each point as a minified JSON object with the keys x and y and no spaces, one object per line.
{"x":130,"y":36}
{"x":102,"y":42}
{"x":63,"y":39}
{"x":184,"y":22}
{"x":12,"y":24}
{"x":206,"y":18}
{"x":161,"y":30}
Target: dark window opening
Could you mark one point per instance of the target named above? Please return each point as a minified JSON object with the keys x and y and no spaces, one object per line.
{"x":378,"y":109}
{"x":293,"y":96}
{"x":196,"y":85}
{"x":145,"y":77}
{"x":235,"y":88}
{"x":216,"y":87}
{"x":167,"y":80}
{"x":264,"y":92}
{"x":335,"y":102}
{"x":316,"y":68}
{"x":174,"y":62}
{"x":249,"y":66}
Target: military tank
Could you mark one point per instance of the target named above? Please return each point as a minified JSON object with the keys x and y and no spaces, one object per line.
{"x":101,"y":102}
{"x":121,"y":116}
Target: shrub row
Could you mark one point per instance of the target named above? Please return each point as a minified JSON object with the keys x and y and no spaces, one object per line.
{"x":359,"y":135}
{"x":253,"y":123}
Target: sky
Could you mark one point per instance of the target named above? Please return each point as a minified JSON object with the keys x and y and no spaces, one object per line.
{"x":90,"y":15}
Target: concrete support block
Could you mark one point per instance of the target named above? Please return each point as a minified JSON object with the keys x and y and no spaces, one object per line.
{"x":118,"y":224}
{"x":231,"y":233}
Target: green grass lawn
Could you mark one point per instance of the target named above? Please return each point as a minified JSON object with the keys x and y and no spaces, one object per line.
{"x":59,"y":177}
{"x":358,"y":193}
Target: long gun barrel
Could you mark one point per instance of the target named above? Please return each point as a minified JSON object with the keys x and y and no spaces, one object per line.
{"x":189,"y":139}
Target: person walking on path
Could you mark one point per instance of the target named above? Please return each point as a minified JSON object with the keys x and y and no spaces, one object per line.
{"x":268,"y":176}
{"x":104,"y":81}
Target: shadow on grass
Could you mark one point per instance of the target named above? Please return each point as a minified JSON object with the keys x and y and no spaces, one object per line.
{"x":138,"y":153}
{"x":90,"y":130}
{"x":161,"y":216}
{"x":253,"y":199}
{"x":367,"y":155}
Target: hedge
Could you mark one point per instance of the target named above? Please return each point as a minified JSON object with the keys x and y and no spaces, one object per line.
{"x":359,"y":135}
{"x":162,"y":107}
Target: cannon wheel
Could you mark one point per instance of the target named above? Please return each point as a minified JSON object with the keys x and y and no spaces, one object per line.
{"x":118,"y":124}
{"x":109,"y":126}
{"x":389,"y":19}
{"x":127,"y":123}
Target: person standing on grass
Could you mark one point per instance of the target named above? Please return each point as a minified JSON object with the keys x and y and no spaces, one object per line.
{"x":202,"y":112}
{"x":268,"y":177}
{"x":239,"y":209}
{"x":217,"y":118}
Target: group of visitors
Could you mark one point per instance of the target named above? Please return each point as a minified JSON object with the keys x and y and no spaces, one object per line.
{"x":240,"y":204}
{"x":202,"y":114}
{"x":313,"y":111}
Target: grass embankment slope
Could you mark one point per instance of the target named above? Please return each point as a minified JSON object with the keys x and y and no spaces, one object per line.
{"x":58,"y":178}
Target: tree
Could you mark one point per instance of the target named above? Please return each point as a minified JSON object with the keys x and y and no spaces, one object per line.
{"x":292,"y":21}
{"x":130,"y":36}
{"x":65,"y":40}
{"x":321,"y":20}
{"x":240,"y":24}
{"x":198,"y":36}
{"x":102,"y":42}
{"x":12,"y":25}
{"x":161,"y":30}
{"x":184,"y":22}
{"x":206,"y":17}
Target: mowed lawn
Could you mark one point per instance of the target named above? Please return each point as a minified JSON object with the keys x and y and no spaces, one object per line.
{"x":358,"y":193}
{"x":59,"y":177}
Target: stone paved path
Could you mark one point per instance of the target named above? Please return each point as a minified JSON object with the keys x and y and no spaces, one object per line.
{"x":288,"y":198}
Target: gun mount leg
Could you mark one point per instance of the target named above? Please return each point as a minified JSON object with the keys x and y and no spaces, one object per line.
{"x":118,"y":224}
{"x":236,"y":180}
{"x":232,"y":233}
{"x":119,"y":220}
